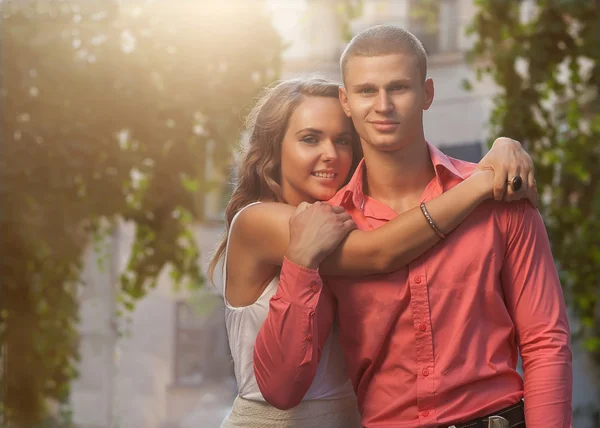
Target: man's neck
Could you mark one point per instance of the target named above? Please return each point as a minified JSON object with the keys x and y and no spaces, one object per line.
{"x":398,"y":178}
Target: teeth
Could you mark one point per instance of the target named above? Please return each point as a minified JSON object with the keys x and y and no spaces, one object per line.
{"x":324,"y":174}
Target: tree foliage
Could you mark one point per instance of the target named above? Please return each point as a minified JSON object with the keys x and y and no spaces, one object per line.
{"x":544,"y":56}
{"x":109,"y":110}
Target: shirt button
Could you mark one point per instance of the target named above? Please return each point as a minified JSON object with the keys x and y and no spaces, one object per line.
{"x":425,"y":413}
{"x":314,"y":288}
{"x":422,"y":327}
{"x":418,"y":279}
{"x":308,"y":338}
{"x":425,"y":372}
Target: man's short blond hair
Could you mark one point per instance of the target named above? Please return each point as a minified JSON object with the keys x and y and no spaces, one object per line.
{"x":385,"y":40}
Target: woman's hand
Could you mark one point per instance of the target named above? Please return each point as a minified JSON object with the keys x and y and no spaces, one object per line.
{"x":508,"y":159}
{"x":315,"y":231}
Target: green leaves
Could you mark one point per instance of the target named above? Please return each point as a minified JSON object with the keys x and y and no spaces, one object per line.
{"x":555,"y":108}
{"x":111,"y":111}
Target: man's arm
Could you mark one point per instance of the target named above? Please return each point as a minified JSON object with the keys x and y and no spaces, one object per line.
{"x":288,"y":346}
{"x":537,"y":306}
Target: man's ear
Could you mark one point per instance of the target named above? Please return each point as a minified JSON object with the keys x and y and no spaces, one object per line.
{"x":429,"y":92}
{"x":344,"y":100}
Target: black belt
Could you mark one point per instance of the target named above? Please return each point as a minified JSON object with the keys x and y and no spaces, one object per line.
{"x":514,"y":415}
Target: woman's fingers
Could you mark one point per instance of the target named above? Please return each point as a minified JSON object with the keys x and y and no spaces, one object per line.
{"x":512,"y":194}
{"x":343,"y":217}
{"x":349,"y":225}
{"x":500,"y":178}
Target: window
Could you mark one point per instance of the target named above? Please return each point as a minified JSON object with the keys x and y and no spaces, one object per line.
{"x":201,"y":347}
{"x":437,"y":26}
{"x":472,"y":152}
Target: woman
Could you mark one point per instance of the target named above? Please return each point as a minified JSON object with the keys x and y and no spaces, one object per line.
{"x":302,"y":148}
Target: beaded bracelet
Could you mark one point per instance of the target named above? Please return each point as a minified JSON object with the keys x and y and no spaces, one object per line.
{"x":436,"y":229}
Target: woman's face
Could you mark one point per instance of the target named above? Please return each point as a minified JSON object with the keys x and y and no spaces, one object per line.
{"x":316,"y":152}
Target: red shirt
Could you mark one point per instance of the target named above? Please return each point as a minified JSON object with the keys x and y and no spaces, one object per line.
{"x":437,"y":341}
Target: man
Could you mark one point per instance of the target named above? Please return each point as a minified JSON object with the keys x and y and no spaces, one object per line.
{"x":434,"y":344}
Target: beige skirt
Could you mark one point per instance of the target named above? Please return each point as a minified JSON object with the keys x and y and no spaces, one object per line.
{"x":341,"y":413}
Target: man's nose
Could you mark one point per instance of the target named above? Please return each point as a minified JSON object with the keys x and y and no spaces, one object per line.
{"x":383,"y":103}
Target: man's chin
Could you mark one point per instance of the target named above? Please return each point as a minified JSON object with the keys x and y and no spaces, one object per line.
{"x":387,"y":146}
{"x":385,"y":141}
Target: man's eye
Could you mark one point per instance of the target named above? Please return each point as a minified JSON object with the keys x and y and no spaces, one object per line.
{"x":399,"y":87}
{"x":367,"y":91}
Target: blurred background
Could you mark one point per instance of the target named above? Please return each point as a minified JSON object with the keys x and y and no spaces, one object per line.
{"x":119,"y":125}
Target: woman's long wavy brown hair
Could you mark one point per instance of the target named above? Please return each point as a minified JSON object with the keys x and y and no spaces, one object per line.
{"x":259,"y":172}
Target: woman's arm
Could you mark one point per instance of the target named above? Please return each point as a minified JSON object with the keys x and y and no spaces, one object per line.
{"x":409,"y":235}
{"x":265,"y":230}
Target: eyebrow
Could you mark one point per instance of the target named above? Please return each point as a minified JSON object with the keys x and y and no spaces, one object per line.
{"x":311,"y":130}
{"x":387,"y":85}
{"x":318,"y":131}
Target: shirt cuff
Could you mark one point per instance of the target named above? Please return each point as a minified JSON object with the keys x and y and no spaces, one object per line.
{"x":299,"y":285}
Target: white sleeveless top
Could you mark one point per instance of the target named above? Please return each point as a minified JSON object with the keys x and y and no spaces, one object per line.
{"x":243,"y":324}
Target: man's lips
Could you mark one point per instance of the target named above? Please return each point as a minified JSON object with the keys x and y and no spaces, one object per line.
{"x":385,"y":125}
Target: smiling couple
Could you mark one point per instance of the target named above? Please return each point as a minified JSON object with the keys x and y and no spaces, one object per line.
{"x":370,"y":280}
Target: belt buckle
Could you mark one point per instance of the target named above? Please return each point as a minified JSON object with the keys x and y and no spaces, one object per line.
{"x":498,"y":422}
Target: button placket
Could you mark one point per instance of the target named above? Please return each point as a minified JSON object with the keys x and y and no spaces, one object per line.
{"x":424,"y":340}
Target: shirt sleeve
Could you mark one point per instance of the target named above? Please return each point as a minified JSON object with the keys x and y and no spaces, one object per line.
{"x":537,"y":306}
{"x":288,"y":346}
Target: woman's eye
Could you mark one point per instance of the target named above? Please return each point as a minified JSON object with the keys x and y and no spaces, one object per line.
{"x":309,"y":139}
{"x":343,"y":141}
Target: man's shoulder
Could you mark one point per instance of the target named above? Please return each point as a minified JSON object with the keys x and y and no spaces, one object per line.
{"x":509,"y":217}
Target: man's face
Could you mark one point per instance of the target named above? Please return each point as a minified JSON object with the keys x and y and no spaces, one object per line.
{"x":385,"y":96}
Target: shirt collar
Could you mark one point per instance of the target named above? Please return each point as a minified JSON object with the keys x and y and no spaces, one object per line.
{"x":444,"y":168}
{"x":445,"y":172}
